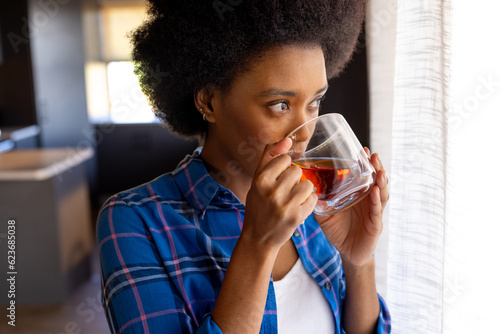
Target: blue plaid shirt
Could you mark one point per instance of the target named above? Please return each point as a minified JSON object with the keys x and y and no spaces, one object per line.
{"x":165,"y":246}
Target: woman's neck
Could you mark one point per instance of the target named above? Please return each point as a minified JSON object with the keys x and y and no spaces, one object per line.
{"x":225,"y":173}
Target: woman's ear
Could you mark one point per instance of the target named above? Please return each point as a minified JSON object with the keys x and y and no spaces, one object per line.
{"x":203,"y":99}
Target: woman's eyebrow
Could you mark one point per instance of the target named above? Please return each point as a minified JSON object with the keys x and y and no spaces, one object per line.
{"x":278,"y":92}
{"x":324,"y":89}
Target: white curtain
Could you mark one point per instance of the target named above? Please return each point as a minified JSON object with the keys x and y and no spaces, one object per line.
{"x":438,"y":260}
{"x":380,"y":33}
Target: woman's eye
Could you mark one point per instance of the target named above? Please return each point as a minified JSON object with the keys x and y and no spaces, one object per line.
{"x":279,"y":107}
{"x":316,"y":103}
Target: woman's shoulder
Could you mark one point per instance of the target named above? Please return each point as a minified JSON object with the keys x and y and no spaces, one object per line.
{"x":163,"y":189}
{"x":152,"y":204}
{"x":133,"y":210}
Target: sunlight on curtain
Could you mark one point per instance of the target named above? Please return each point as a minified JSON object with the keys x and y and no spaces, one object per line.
{"x":380,"y":31}
{"x":418,"y":177}
{"x":472,"y":289}
{"x":442,"y":256}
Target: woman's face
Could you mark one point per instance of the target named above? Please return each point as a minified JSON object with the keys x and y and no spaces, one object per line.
{"x":282,"y":90}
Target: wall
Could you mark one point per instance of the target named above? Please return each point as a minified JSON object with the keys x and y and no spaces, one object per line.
{"x":57,"y":55}
{"x":348,"y":94}
{"x":17,"y":106}
{"x":131,"y":154}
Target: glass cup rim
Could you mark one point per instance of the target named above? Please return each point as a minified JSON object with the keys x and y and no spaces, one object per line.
{"x":336,"y":115}
{"x":314,"y":119}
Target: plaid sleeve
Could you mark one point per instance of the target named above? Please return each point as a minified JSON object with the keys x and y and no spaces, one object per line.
{"x":138,"y":295}
{"x":208,"y":326}
{"x":384,"y":318}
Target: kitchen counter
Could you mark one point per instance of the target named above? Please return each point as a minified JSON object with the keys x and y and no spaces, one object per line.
{"x":40,"y":164}
{"x":45,"y":192}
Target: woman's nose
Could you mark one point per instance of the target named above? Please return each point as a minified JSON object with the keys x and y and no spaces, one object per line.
{"x":306,"y":127}
{"x":301,"y":135}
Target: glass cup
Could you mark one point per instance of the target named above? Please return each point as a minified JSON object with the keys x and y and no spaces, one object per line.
{"x":331,"y":157}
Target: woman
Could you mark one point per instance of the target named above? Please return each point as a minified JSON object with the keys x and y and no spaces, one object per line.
{"x":227,"y":242}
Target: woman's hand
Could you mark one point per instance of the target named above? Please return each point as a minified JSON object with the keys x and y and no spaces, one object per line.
{"x":276,"y":204}
{"x":355,"y":231}
{"x":277,"y":201}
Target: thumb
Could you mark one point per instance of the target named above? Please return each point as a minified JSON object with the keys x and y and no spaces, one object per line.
{"x":273,"y":150}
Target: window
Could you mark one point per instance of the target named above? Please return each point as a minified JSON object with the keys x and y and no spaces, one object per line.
{"x":113,"y":91}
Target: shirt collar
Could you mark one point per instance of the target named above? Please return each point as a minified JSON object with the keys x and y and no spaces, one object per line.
{"x":197,"y":186}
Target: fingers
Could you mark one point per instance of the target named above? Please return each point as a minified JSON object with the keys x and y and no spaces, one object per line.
{"x":308,"y":205}
{"x":381,"y":179}
{"x":367,"y":150}
{"x":273,"y":150}
{"x":376,"y":211}
{"x":277,"y":201}
{"x":283,"y":178}
{"x":301,"y":191}
{"x":280,"y":176}
{"x":274,"y":169}
{"x":279,"y":181}
{"x":290,"y":177}
{"x":382,"y":183}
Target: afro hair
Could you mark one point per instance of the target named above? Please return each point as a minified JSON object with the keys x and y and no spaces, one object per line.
{"x":188,"y":45}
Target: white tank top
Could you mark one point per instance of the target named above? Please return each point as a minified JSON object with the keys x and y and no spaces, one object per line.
{"x":301,"y":305}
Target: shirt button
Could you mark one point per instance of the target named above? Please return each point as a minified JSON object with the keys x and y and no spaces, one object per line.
{"x":296,"y":233}
{"x":328,"y":286}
